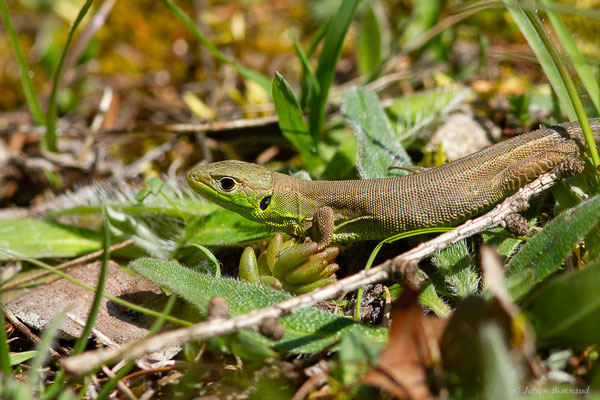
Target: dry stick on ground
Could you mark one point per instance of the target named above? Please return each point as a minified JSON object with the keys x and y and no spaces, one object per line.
{"x":218,"y":126}
{"x":402,"y":265}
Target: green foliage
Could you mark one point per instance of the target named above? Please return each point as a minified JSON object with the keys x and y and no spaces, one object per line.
{"x":425,"y":14}
{"x":457,"y":267}
{"x":418,"y":109}
{"x":21,"y":357}
{"x":354,"y":358}
{"x":519,"y":107}
{"x":368,"y":53}
{"x":586,"y":74}
{"x":307,"y":330}
{"x":291,"y":121}
{"x":378,"y":147}
{"x":224,"y":228}
{"x":545,"y":252}
{"x":28,"y":90}
{"x":308,"y":81}
{"x":542,"y":53}
{"x":200,"y":258}
{"x":296,"y":267}
{"x":153,"y":186}
{"x":429,"y":298}
{"x":499,"y":377}
{"x":5,"y":361}
{"x":332,"y":48}
{"x":125,"y":226}
{"x":566,"y":310}
{"x":13,"y":390}
{"x":49,"y":140}
{"x":534,"y":31}
{"x":39,"y":238}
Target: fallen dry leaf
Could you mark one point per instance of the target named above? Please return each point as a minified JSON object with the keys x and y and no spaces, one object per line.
{"x":412,"y":349}
{"x":114,"y":325}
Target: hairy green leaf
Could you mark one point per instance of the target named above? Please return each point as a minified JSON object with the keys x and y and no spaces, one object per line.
{"x":429,"y":298}
{"x":378,"y":148}
{"x":411,"y":112}
{"x":457,"y":267}
{"x":545,"y":252}
{"x":307,"y":330}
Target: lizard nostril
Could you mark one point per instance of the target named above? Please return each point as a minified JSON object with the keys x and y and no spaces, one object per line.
{"x":192,"y":175}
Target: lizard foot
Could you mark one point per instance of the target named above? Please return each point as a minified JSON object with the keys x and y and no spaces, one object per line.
{"x":571,"y":167}
{"x":516,"y":224}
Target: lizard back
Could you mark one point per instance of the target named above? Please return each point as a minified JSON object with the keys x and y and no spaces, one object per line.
{"x":442,"y":196}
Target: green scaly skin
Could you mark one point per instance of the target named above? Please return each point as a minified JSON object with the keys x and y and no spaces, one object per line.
{"x":341,"y":211}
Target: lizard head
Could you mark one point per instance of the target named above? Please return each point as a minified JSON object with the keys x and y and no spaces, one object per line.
{"x":235,"y":185}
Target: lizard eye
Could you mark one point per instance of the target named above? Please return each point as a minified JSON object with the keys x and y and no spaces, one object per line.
{"x":227,"y":184}
{"x":264,"y":203}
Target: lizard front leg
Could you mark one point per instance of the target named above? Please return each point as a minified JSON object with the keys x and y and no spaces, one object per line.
{"x":323,"y":226}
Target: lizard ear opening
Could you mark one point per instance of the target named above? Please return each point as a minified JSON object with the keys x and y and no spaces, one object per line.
{"x":264,"y":203}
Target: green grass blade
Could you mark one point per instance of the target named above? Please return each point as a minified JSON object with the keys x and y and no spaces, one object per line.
{"x":91,"y":319}
{"x":155,"y":328}
{"x":318,"y":36}
{"x":42,"y":349}
{"x":586,"y":75}
{"x":306,"y":67}
{"x":291,"y":121}
{"x":543,"y":55}
{"x":49,"y":139}
{"x":4,"y":349}
{"x":246,"y":73}
{"x":18,"y":358}
{"x":310,"y":82}
{"x":41,"y":239}
{"x":28,"y":90}
{"x":77,"y":282}
{"x":573,"y":97}
{"x":332,"y":49}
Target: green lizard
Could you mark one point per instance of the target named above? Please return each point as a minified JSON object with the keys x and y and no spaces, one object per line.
{"x":341,"y":211}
